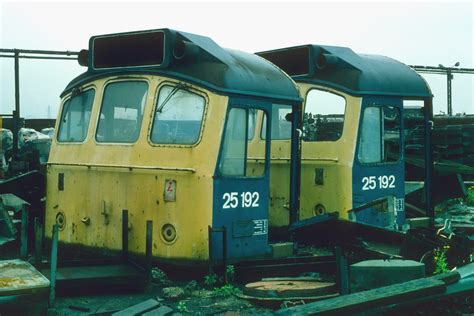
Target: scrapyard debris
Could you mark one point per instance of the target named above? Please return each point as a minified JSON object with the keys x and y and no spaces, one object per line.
{"x":30,"y":140}
{"x":5,"y":148}
{"x":159,"y":277}
{"x":139,"y":309}
{"x":49,"y":131}
{"x":33,"y":151}
{"x":28,"y":134}
{"x":173,"y":292}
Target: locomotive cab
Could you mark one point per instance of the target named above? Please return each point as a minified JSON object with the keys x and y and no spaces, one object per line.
{"x":159,"y":126}
{"x":352,"y":135}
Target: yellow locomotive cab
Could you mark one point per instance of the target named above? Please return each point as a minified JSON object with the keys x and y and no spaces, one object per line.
{"x":158,"y":126}
{"x":351,"y":137}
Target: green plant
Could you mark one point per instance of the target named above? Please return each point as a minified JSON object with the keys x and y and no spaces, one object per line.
{"x":229,"y":273}
{"x":225,"y":291}
{"x":440,"y":260}
{"x":182,"y":308}
{"x":469,"y":199}
{"x":210,"y":280}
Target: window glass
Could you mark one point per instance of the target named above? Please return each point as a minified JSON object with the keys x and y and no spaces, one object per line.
{"x":252,"y":121}
{"x":323,"y":119}
{"x":391,"y":134}
{"x":240,"y":157}
{"x":234,"y":147}
{"x":75,"y":117}
{"x":178,"y":116}
{"x":380,"y":135}
{"x":281,"y":128}
{"x":122,"y":112}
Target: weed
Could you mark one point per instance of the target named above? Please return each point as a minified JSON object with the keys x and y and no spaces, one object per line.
{"x":210,"y":280}
{"x":440,"y":260}
{"x":469,"y":199}
{"x":182,"y":308}
{"x":159,"y":277}
{"x":230,"y":273}
{"x":225,"y":291}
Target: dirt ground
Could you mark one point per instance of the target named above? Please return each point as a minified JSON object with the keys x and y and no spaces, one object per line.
{"x":196,"y":302}
{"x":197,"y":298}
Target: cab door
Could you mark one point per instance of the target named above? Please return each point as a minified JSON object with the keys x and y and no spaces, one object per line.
{"x":241,"y":184}
{"x":378,"y":170}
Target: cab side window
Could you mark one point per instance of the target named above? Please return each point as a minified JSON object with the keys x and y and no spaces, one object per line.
{"x":281,"y":127}
{"x":379,"y":139}
{"x":323,"y":118}
{"x":236,"y":159}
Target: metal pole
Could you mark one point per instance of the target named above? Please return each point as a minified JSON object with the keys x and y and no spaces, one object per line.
{"x":16,"y":113}
{"x":38,"y":241}
{"x":342,"y":276}
{"x":449,"y":76}
{"x":54,"y":265}
{"x":40,"y":52}
{"x":24,"y":232}
{"x":295,"y":164}
{"x":224,"y":252}
{"x":428,"y":155}
{"x":125,"y":234}
{"x":209,"y":234}
{"x":149,"y":242}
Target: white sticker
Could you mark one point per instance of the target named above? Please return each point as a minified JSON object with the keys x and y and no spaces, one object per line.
{"x":261,"y":227}
{"x":170,"y":190}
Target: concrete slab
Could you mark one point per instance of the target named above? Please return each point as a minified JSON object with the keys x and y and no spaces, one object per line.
{"x":372,"y":274}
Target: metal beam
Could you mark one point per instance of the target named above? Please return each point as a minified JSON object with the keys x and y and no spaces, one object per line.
{"x":39,"y":52}
{"x":441,"y":70}
{"x":30,"y":54}
{"x":448,"y":71}
{"x":40,"y":57}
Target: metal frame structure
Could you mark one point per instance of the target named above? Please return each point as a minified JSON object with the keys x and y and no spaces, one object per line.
{"x":28,"y":54}
{"x":448,"y":71}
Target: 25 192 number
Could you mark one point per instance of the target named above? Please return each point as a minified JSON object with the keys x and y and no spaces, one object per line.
{"x":380,"y":182}
{"x":247,"y":199}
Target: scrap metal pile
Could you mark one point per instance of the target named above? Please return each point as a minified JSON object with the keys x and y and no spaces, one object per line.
{"x":33,"y":150}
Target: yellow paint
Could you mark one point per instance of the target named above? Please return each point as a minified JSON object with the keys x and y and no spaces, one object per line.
{"x":334,"y":157}
{"x":100,"y":180}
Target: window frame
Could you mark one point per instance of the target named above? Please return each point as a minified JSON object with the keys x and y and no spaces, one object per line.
{"x":280,"y":105}
{"x":104,"y":86}
{"x":359,"y":135}
{"x":247,"y":142}
{"x":190,"y":89}
{"x":304,"y":111}
{"x":67,"y":99}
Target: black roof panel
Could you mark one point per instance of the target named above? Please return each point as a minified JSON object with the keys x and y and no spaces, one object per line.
{"x":357,"y":74}
{"x":205,"y":64}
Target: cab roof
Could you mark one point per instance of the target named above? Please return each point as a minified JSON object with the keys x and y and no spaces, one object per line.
{"x":188,"y":57}
{"x":342,"y":69}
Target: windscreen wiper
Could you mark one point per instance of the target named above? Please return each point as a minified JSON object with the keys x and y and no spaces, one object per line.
{"x":178,"y":87}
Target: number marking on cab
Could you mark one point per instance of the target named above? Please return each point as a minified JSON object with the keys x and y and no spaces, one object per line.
{"x":380,"y":182}
{"x":247,"y":199}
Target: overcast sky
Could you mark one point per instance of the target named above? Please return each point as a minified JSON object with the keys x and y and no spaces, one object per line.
{"x":421,"y":33}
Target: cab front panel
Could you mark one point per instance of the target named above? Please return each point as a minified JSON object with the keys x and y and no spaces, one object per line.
{"x":241,"y":181}
{"x":326,"y":165}
{"x":90,"y":182}
{"x":327,"y":157}
{"x":378,"y":164}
